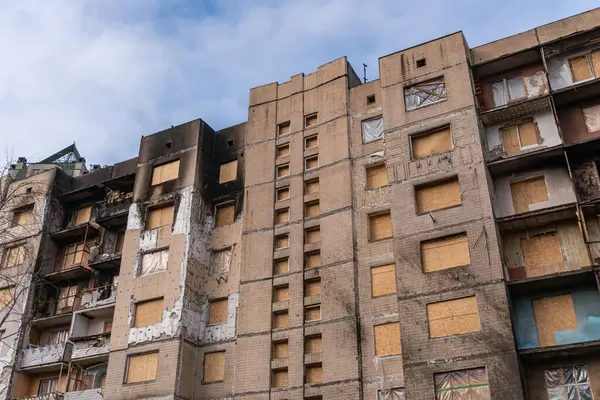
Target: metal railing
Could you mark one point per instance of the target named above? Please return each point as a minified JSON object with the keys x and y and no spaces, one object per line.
{"x":47,"y":396}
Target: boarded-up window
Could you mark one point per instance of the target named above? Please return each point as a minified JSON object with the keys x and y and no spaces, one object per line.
{"x":314,"y":373}
{"x":280,"y":349}
{"x":312,"y":259}
{"x":282,"y":215}
{"x":283,"y":170}
{"x":6,"y":297}
{"x":469,"y":384}
{"x":282,"y":241}
{"x":225,"y":214}
{"x":311,"y":162}
{"x":142,"y":367}
{"x":165,"y":172}
{"x":387,"y":339}
{"x":312,"y":313}
{"x":425,"y":93}
{"x":444,"y":253}
{"x":217,"y":313}
{"x":372,"y":129}
{"x":214,"y":367}
{"x":312,"y":287}
{"x":228,"y":171}
{"x":283,"y":193}
{"x":311,"y":141}
{"x":377,"y":176}
{"x":519,"y":137}
{"x":280,"y":319}
{"x":148,"y":313}
{"x":380,"y":226}
{"x":580,"y":68}
{"x":392,"y":394}
{"x":591,"y":117}
{"x":595,"y":58}
{"x":82,"y":215}
{"x":283,"y":150}
{"x":23,"y":216}
{"x":383,"y":280}
{"x":453,"y":317}
{"x":66,"y":299}
{"x":153,"y":262}
{"x":508,"y":89}
{"x":313,"y":344}
{"x":220,"y":261}
{"x":160,"y":216}
{"x":281,"y":266}
{"x":552,"y":314}
{"x":281,"y":293}
{"x":311,"y":186}
{"x":284,"y":128}
{"x":311,"y":120}
{"x":15,"y":256}
{"x":435,"y":142}
{"x":311,"y":209}
{"x":542,"y":254}
{"x":527,"y":192}
{"x":437,"y":195}
{"x":74,"y":254}
{"x":312,"y":235}
{"x":279,"y":378}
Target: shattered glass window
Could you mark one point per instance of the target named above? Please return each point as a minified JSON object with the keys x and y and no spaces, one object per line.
{"x":468,"y":384}
{"x":372,"y":129}
{"x":508,"y":89}
{"x":425,"y":93}
{"x":390,"y":394}
{"x":568,"y":383}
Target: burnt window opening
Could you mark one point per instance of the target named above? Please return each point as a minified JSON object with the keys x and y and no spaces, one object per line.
{"x":230,"y":143}
{"x":421,"y":62}
{"x":168,"y":145}
{"x":371,"y":99}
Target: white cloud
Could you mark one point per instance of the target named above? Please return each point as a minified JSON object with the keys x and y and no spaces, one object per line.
{"x":104,"y":73}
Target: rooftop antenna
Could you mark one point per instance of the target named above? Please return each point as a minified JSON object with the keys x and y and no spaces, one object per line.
{"x":365,"y":73}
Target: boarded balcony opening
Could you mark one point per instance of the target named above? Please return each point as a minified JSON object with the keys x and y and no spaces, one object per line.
{"x":312,"y":313}
{"x":214,"y":367}
{"x":383,"y":280}
{"x":387,"y":339}
{"x":552,"y":314}
{"x":311,"y":186}
{"x":228,"y":171}
{"x":312,"y":235}
{"x":281,"y":266}
{"x":508,"y":89}
{"x":311,"y":209}
{"x":580,"y":68}
{"x":220,"y":261}
{"x":371,"y":99}
{"x":280,"y":319}
{"x":280,"y":349}
{"x":314,"y":373}
{"x":225,"y":214}
{"x":141,"y":367}
{"x":429,"y":143}
{"x":519,"y":137}
{"x":148,"y":313}
{"x":542,"y":255}
{"x":453,"y":317}
{"x":218,"y":311}
{"x":425,"y":93}
{"x":82,"y":215}
{"x":311,"y":120}
{"x":313,"y":344}
{"x":591,"y":115}
{"x":444,"y":253}
{"x":284,"y":128}
{"x":164,"y":173}
{"x":282,"y":241}
{"x":312,"y":287}
{"x":372,"y":129}
{"x":279,"y":378}
{"x":377,"y":176}
{"x":527,"y":192}
{"x":312,"y":259}
{"x":154,"y":262}
{"x":472,"y":383}
{"x":311,"y":142}
{"x":283,"y":170}
{"x":438,"y":195}
{"x":281,"y":293}
{"x":380,"y":226}
{"x":311,"y":162}
{"x":282,"y":215}
{"x":160,"y":216}
{"x":283,"y":193}
{"x":283,"y":150}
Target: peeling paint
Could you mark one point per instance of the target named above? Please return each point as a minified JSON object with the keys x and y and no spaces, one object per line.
{"x":536,"y":84}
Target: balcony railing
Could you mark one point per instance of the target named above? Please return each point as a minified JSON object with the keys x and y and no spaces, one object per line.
{"x":51,"y":354}
{"x":48,"y":396}
{"x":63,"y":305}
{"x":99,"y":296}
{"x":77,"y":258}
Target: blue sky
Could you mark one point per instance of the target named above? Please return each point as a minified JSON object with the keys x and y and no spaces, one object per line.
{"x":104,"y":73}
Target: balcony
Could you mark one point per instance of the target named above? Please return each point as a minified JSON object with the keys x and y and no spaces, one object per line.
{"x":114,"y":211}
{"x":88,"y":394}
{"x":70,"y":268}
{"x":34,"y":357}
{"x":98,"y":297}
{"x":56,"y":312}
{"x":48,"y":396}
{"x":105,"y":262}
{"x":74,"y":233}
{"x":91,"y":349}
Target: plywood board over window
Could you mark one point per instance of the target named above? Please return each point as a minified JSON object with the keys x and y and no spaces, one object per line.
{"x":311,"y":209}
{"x":542,"y":254}
{"x":552,"y":314}
{"x":225,"y":214}
{"x":217,"y":313}
{"x":228,"y":171}
{"x":314,"y":373}
{"x":383,"y":280}
{"x":280,"y":350}
{"x":280,"y":378}
{"x":82,"y":215}
{"x":444,"y":253}
{"x":387,"y":339}
{"x":591,"y":117}
{"x":313,"y":235}
{"x":283,"y":193}
{"x":282,"y":216}
{"x":165,"y":172}
{"x":311,"y":120}
{"x":380,"y":226}
{"x":280,"y":319}
{"x":527,"y":192}
{"x":281,"y":266}
{"x":148,"y":313}
{"x":284,"y":128}
{"x":453,"y":317}
{"x":23,"y":216}
{"x":312,"y":313}
{"x":283,"y":150}
{"x":214,"y":367}
{"x":160,"y":216}
{"x":142,"y":368}
{"x":438,"y":195}
{"x":580,"y":68}
{"x":311,"y":141}
{"x":281,"y":293}
{"x":377,"y":176}
{"x":313,"y":344}
{"x":282,"y":241}
{"x":519,"y":137}
{"x":429,"y":143}
{"x":312,"y":259}
{"x":311,"y":186}
{"x":312,"y":287}
{"x":595,"y":58}
{"x":283,"y":170}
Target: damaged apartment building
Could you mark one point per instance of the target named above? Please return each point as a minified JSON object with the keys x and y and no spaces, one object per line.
{"x":432,"y":234}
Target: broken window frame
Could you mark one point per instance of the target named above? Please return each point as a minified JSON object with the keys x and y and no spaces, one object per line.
{"x":425,"y":92}
{"x":371,"y":138}
{"x":581,"y":382}
{"x":517,"y":125}
{"x":47,"y":386}
{"x":505,"y":90}
{"x":588,"y":58}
